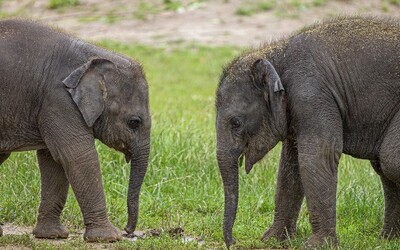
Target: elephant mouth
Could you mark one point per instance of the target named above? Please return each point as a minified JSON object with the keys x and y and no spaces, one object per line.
{"x":248,"y":164}
{"x":245,"y":159}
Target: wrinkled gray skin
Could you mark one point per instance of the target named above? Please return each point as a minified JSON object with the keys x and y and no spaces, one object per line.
{"x":332,"y":88}
{"x":57,"y":94}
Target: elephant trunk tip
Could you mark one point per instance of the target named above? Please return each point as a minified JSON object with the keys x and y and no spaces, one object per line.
{"x":229,"y":242}
{"x":129,"y":229}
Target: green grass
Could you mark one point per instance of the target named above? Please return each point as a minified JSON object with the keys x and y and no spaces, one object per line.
{"x":283,"y":8}
{"x":183,"y":187}
{"x":55,"y":4}
{"x":249,"y":8}
{"x":146,"y":8}
{"x":395,"y":2}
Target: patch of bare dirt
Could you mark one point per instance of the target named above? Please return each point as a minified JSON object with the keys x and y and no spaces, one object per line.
{"x":11,"y":247}
{"x":9,"y":229}
{"x":209,"y":22}
{"x":176,"y":232}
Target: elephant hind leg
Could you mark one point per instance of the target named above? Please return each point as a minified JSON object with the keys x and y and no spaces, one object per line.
{"x":389,"y":151}
{"x":391,"y":226}
{"x":388,"y":167}
{"x":54,"y":191}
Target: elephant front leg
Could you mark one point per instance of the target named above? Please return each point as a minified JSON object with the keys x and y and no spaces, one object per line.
{"x":289,"y":195}
{"x":54,"y":191}
{"x":318,"y":160}
{"x":388,"y":168}
{"x":83,"y":172}
{"x":72,"y":145}
{"x":391,"y":225}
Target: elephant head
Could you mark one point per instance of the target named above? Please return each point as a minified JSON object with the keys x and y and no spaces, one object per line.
{"x":112,"y":96}
{"x":251,"y":120}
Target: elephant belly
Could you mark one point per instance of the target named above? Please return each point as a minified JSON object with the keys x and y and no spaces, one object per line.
{"x":8,"y":147}
{"x":12,"y":140}
{"x":362,"y":143}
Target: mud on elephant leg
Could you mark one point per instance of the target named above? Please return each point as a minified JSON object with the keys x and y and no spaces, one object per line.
{"x":54,"y":191}
{"x":289,"y":195}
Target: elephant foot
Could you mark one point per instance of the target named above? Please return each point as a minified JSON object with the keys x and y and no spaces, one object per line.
{"x":1,"y":231}
{"x":50,"y":230}
{"x":279,"y":233}
{"x":102,"y":233}
{"x":317,"y":242}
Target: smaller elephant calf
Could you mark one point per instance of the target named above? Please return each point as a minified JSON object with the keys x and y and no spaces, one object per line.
{"x":57,"y":94}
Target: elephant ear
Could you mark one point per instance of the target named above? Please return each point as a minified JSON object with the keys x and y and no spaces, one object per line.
{"x":267,"y":79}
{"x":86,"y":84}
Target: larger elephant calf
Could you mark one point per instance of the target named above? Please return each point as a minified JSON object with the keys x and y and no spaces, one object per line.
{"x":332,"y":88}
{"x":57,"y":94}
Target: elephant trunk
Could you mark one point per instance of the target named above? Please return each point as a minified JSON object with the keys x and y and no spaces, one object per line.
{"x":228,"y":166}
{"x":139,"y":162}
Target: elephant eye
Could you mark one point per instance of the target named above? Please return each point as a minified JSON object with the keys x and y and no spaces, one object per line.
{"x":235,"y":123}
{"x":134,"y":122}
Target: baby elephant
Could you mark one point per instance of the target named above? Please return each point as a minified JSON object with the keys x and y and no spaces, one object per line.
{"x":329,"y":89}
{"x":57,"y":94}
